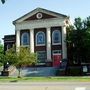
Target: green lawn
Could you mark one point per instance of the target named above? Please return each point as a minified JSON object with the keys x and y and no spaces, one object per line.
{"x":44,"y":79}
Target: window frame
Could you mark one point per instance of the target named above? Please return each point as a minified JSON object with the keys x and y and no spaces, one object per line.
{"x":8,"y":46}
{"x":37,"y":38}
{"x":53,"y":36}
{"x":57,"y":52}
{"x":44,"y":56}
{"x":22,"y":38}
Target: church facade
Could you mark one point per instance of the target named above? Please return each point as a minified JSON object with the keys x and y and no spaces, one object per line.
{"x":44,"y":32}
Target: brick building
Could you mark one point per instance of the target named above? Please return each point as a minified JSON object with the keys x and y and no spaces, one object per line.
{"x":44,"y":31}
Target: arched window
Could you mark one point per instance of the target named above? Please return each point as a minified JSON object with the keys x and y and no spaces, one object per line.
{"x":56,"y":37}
{"x":40,"y":38}
{"x":25,"y":39}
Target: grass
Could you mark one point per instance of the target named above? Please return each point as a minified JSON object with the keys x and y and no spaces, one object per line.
{"x":45,"y":79}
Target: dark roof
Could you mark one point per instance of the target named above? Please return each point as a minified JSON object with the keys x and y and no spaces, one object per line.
{"x":9,"y":37}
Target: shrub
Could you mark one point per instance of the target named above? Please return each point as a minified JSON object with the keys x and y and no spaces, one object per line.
{"x":74,"y":71}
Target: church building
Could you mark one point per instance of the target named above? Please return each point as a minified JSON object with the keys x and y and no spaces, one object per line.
{"x":44,"y":32}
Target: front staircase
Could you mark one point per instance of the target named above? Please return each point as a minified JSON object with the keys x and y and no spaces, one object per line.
{"x":35,"y":71}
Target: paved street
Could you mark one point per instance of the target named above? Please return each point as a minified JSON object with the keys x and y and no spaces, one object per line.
{"x":46,"y":86}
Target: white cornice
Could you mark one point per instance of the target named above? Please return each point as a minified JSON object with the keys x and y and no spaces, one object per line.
{"x":40,"y":23}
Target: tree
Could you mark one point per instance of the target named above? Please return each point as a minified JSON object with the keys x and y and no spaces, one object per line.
{"x":4,"y":58}
{"x":22,"y":58}
{"x":3,"y":1}
{"x":1,"y":53}
{"x":1,"y":49}
{"x":78,"y":41}
{"x":87,"y":38}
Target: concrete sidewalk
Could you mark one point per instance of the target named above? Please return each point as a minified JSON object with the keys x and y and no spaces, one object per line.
{"x":45,"y":86}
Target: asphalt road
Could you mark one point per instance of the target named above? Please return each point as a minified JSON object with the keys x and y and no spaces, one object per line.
{"x":45,"y":86}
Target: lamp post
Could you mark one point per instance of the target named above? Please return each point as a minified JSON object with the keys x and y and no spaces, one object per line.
{"x":5,"y":71}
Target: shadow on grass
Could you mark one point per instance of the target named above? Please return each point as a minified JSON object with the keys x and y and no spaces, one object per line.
{"x":14,"y":81}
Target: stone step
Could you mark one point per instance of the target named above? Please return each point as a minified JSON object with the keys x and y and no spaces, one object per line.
{"x":36,"y":71}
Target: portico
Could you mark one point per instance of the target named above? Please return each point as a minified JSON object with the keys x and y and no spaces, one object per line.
{"x":46,"y":31}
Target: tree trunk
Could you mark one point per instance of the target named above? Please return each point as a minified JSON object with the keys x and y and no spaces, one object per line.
{"x":19,"y":72}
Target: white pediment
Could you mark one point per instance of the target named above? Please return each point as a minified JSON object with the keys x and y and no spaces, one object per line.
{"x":32,"y":14}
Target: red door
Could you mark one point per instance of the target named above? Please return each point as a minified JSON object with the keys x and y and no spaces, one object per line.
{"x":56,"y":60}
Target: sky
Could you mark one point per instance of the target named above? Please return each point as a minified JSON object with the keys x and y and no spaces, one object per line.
{"x":14,"y":9}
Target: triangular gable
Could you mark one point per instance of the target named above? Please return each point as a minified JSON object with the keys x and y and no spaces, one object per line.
{"x":40,"y":15}
{"x":45,"y":15}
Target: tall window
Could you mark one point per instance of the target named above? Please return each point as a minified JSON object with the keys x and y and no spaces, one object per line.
{"x":25,"y":39}
{"x":40,"y":38}
{"x":41,"y":56}
{"x":9,"y":46}
{"x":56,"y":37}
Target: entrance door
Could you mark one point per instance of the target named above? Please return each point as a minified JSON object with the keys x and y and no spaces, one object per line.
{"x":56,"y":58}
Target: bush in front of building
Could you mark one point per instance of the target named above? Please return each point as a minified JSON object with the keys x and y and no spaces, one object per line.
{"x":74,"y":71}
{"x":60,"y":72}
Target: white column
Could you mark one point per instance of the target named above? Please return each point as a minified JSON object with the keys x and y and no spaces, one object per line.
{"x":48,"y":44}
{"x":17,"y":40}
{"x":64,"y":47}
{"x":32,"y":40}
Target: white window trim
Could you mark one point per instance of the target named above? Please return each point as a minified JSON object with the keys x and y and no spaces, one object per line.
{"x":7,"y":47}
{"x":56,"y":43}
{"x":36,"y":39}
{"x":22,"y":39}
{"x":40,"y":44}
{"x":53,"y":37}
{"x":25,"y":45}
{"x":59,"y":52}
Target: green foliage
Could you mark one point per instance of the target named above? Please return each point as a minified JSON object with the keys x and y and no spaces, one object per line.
{"x":75,"y":71}
{"x":78,"y":23}
{"x":1,"y":49}
{"x":87,"y":22}
{"x":78,"y":41}
{"x":21,"y":58}
{"x":25,"y":57}
{"x":11,"y":56}
{"x":1,"y":53}
{"x":3,"y":1}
